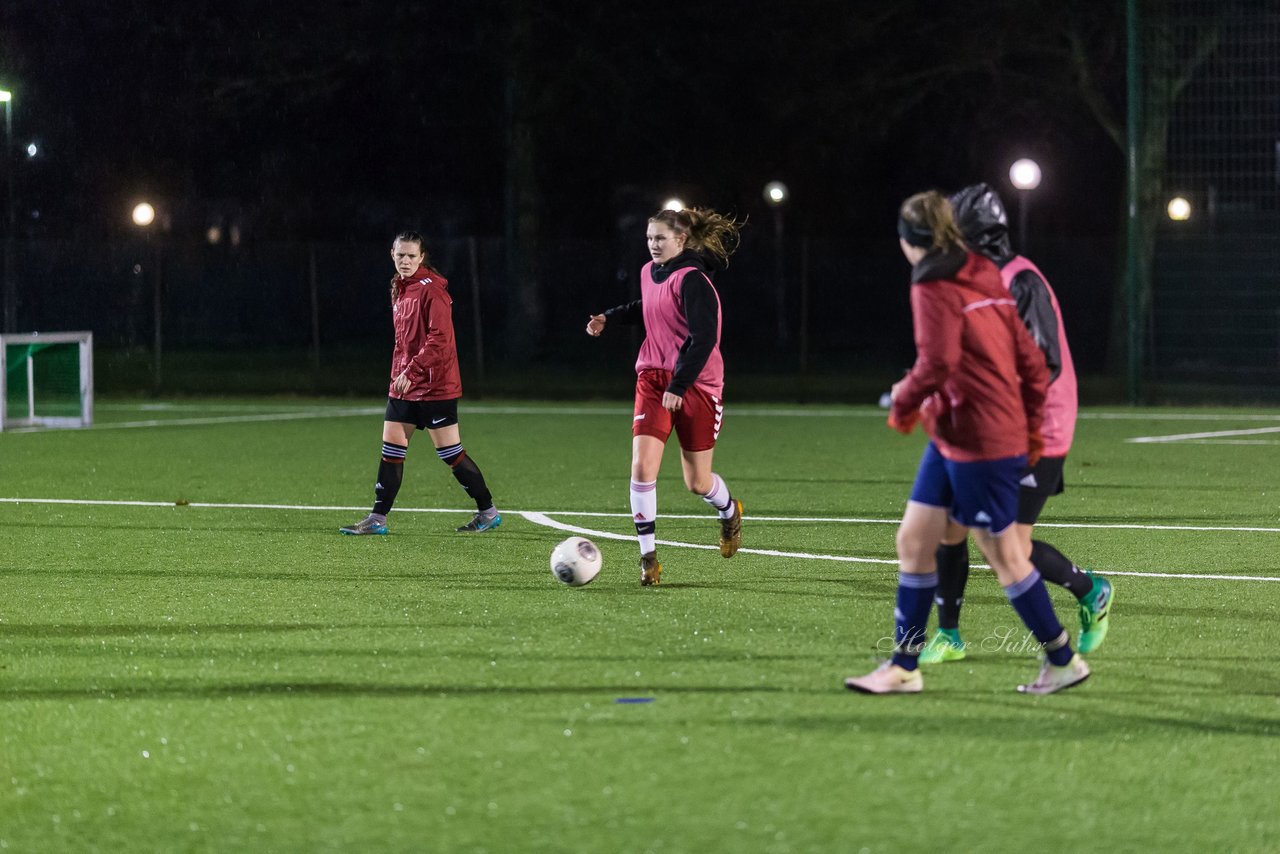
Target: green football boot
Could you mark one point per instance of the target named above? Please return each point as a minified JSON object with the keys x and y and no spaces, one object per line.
{"x":1095,"y":608}
{"x":943,"y":647}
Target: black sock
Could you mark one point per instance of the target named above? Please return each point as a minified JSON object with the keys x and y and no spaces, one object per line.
{"x":1055,"y":567}
{"x":467,"y":473}
{"x":390,"y":476}
{"x":953,"y":575}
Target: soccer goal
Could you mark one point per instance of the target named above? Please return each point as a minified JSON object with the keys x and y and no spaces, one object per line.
{"x":46,"y":380}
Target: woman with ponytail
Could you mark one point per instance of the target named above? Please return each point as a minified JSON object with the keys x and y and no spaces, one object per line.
{"x":424,"y":392}
{"x":978,"y":386}
{"x":680,"y":373}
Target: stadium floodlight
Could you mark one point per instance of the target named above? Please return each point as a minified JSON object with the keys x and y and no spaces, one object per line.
{"x":144,"y":214}
{"x":673,"y":204}
{"x":775,"y":193}
{"x":1025,"y":174}
{"x":32,"y":149}
{"x":1179,"y":209}
{"x":46,"y":380}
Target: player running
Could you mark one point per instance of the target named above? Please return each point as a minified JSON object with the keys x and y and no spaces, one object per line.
{"x":980,"y":214}
{"x":680,"y":370}
{"x":978,"y":384}
{"x":425,"y":387}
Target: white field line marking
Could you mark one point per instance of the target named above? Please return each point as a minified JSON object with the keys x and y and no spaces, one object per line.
{"x":1217,"y":434}
{"x":300,"y":412}
{"x":837,"y":520}
{"x":541,"y":518}
{"x":547,"y":521}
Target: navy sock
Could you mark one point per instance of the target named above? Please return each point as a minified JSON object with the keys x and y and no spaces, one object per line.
{"x":1031,"y":600}
{"x":390,"y":476}
{"x":953,"y":575}
{"x":1055,"y":567}
{"x":911,"y":617}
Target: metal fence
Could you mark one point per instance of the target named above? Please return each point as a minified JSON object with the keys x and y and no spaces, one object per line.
{"x":841,"y":311}
{"x":1215,"y":271}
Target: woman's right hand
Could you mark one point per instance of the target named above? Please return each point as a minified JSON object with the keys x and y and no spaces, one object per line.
{"x":596,"y":325}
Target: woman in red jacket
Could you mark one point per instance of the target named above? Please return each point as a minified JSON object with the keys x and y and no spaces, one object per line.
{"x":978,"y":384}
{"x":425,"y":387}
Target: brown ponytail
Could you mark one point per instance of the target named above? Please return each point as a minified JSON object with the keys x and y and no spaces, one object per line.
{"x":931,"y":213}
{"x":706,"y":230}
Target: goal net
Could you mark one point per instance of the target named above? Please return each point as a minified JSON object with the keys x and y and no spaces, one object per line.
{"x":46,"y":380}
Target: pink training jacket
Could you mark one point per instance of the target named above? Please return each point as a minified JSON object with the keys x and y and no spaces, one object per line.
{"x":1060,"y":405}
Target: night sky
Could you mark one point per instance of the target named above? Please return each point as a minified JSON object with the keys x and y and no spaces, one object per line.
{"x":351,"y":119}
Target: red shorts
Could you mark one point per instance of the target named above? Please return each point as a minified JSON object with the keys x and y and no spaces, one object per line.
{"x":697,"y":422}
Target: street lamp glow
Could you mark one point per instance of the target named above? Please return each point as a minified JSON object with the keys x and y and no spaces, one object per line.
{"x":144,"y":214}
{"x":673,"y":204}
{"x":1025,"y":174}
{"x":775,"y":193}
{"x":1179,"y":209}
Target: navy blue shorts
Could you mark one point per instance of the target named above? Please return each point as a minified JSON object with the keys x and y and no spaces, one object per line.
{"x":977,"y":495}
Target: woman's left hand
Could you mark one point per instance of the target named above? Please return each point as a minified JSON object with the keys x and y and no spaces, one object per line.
{"x":672,"y":402}
{"x":400,"y":385}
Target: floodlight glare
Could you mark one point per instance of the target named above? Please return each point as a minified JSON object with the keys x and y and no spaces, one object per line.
{"x":1025,"y":174}
{"x":673,"y":205}
{"x":775,"y":193}
{"x":5,"y":96}
{"x":1179,"y":209}
{"x":144,"y":214}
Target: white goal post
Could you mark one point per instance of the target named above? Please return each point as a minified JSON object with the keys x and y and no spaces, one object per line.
{"x":46,"y":380}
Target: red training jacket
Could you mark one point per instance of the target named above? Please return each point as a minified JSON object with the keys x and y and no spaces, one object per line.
{"x":979,"y":379}
{"x":423,"y":317}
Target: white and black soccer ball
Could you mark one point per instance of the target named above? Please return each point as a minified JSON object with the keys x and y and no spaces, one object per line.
{"x":576,"y":561}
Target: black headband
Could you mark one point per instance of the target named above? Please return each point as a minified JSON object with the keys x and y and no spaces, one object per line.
{"x":921,"y":238}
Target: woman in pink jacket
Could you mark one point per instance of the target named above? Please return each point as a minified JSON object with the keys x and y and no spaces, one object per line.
{"x":680,"y":373}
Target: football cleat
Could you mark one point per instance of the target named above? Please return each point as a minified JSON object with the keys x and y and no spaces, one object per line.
{"x":943,"y":647}
{"x":888,"y":678}
{"x":480,"y":523}
{"x":731,"y":531}
{"x":1053,"y":678}
{"x":1094,"y":610}
{"x":367,"y":525}
{"x":650,"y":569}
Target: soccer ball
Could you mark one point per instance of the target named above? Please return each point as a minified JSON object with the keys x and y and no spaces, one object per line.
{"x":576,"y":561}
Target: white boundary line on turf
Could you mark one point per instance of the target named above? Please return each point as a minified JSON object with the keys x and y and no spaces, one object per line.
{"x":837,"y":520}
{"x":302,"y":412}
{"x":1217,"y":434}
{"x":545,"y":520}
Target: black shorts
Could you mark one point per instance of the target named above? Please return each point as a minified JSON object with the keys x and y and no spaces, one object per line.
{"x":423,"y":414}
{"x":1038,"y":485}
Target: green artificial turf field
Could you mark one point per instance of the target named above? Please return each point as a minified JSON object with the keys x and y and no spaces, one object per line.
{"x":230,"y":674}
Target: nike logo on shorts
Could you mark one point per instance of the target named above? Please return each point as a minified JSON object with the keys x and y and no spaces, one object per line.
{"x":640,"y":417}
{"x":436,"y":420}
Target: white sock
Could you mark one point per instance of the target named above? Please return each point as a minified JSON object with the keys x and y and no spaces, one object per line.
{"x":644,"y":512}
{"x":720,"y":498}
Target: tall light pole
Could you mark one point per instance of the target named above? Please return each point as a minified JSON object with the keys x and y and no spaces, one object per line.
{"x":11,"y":225}
{"x":777,"y":196}
{"x":144,"y":216}
{"x":1025,"y":175}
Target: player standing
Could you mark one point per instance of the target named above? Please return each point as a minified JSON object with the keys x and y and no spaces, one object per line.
{"x":680,"y":373}
{"x":981,"y":216}
{"x":978,"y":384}
{"x":425,"y":387}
